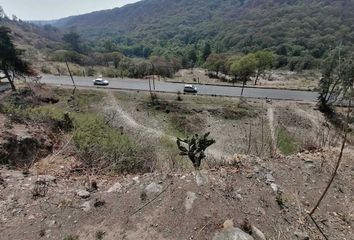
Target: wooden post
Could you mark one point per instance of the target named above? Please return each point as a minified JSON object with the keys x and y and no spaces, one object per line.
{"x":71,"y":76}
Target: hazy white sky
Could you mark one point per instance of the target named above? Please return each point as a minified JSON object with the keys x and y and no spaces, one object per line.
{"x":54,"y":9}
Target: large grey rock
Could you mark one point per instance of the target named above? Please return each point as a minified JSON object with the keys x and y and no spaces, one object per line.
{"x":232,"y":233}
{"x":153,"y":189}
{"x":116,"y":188}
{"x":188,"y":203}
{"x":257,"y":234}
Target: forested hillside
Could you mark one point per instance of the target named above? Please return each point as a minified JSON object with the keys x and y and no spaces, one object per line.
{"x":37,"y":41}
{"x":162,"y":36}
{"x":290,"y":28}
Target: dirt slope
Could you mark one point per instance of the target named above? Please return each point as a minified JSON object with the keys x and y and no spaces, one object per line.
{"x":274,"y":195}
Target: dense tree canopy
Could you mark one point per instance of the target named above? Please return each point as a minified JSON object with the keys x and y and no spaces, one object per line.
{"x":299,"y":32}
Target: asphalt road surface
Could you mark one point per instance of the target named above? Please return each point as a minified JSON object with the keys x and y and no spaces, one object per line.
{"x":143,"y":84}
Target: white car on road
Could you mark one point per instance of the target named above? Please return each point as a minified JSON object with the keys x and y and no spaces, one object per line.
{"x":190,"y":88}
{"x":100,"y":81}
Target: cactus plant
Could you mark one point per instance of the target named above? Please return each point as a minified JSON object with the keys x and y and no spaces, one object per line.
{"x":194,"y":147}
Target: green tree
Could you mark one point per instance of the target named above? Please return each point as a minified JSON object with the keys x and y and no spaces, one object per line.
{"x":108,"y":45}
{"x":337,"y":81}
{"x":265,"y":61}
{"x":206,"y":51}
{"x":11,"y":63}
{"x":244,"y":68}
{"x":216,"y":63}
{"x":116,"y":58}
{"x":192,"y":57}
{"x":74,"y":40}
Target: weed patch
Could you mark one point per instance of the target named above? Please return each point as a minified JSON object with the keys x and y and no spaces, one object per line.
{"x":104,"y":148}
{"x":286,"y":143}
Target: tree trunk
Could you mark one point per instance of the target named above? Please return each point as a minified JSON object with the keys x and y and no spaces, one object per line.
{"x":243,"y":86}
{"x":256,"y":80}
{"x":11,"y":80}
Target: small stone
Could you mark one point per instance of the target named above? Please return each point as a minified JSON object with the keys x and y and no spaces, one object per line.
{"x":51,"y":223}
{"x":269,"y":178}
{"x":86,"y":206}
{"x":301,"y":235}
{"x":257,"y":234}
{"x":232,"y":233}
{"x":83,"y":193}
{"x":201,"y":178}
{"x":136,"y":179}
{"x":191,"y":197}
{"x":309,"y":164}
{"x":99,"y":203}
{"x":116,"y":188}
{"x":228,"y":224}
{"x":275,"y":187}
{"x":47,"y":178}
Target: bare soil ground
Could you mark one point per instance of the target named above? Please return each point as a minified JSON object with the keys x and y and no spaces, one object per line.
{"x":230,"y":193}
{"x":270,"y":164}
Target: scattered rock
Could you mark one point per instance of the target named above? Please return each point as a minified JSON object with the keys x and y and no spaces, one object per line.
{"x":153,"y":189}
{"x":229,"y":232}
{"x":257,"y":234}
{"x":47,"y":178}
{"x":143,"y":196}
{"x":83,"y":194}
{"x":269,"y":178}
{"x":301,"y":235}
{"x":191,"y":197}
{"x":309,"y":165}
{"x":275,"y":187}
{"x":136,"y":179}
{"x":116,"y":188}
{"x":99,"y":203}
{"x":228,"y":223}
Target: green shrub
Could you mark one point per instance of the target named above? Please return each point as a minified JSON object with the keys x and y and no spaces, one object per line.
{"x":46,"y":70}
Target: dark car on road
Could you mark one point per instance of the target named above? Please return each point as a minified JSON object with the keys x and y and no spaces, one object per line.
{"x":190,"y":89}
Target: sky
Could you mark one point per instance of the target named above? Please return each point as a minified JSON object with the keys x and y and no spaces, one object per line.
{"x":55,"y":9}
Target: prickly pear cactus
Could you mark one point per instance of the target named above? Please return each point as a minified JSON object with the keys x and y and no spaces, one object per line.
{"x":194,"y":147}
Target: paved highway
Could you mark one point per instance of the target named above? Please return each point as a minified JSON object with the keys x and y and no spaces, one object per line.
{"x":142,"y":84}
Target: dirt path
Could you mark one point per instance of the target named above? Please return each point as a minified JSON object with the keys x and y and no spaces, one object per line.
{"x":130,"y":122}
{"x":270,"y":113}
